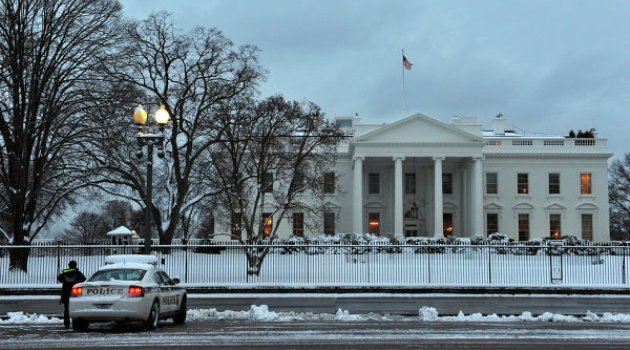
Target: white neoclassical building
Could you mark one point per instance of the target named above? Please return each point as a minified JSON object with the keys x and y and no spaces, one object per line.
{"x":421,"y":176}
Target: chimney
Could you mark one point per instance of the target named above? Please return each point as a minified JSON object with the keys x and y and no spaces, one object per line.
{"x":498,"y":125}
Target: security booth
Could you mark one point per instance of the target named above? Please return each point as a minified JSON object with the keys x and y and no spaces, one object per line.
{"x":122,"y":236}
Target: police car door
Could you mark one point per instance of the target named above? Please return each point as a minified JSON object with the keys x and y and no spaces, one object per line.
{"x":173,"y":296}
{"x":162,"y":291}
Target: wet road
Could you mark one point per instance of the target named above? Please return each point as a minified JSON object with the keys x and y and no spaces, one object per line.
{"x":395,"y":304}
{"x":396,"y":333}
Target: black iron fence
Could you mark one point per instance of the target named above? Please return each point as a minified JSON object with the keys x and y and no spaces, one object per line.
{"x":369,"y":264}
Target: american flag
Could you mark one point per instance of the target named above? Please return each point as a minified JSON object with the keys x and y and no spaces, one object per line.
{"x":406,"y":63}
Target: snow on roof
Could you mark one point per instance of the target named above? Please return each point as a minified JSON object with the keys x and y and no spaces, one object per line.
{"x":127,"y":265}
{"x":130,"y":258}
{"x":120,"y":231}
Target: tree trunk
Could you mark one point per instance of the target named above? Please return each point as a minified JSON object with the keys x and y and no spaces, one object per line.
{"x":255,"y":258}
{"x":18,"y":257}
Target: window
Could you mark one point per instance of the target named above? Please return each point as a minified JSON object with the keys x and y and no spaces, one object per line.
{"x":522,"y":183}
{"x":118,"y":274}
{"x":298,"y":224}
{"x":492,"y":183}
{"x":238,"y":186}
{"x":492,"y":223}
{"x":374,"y":186}
{"x":329,"y":182}
{"x":523,"y":227}
{"x":167,"y":280}
{"x":157,"y":278}
{"x":587,"y":226}
{"x":585,"y":183}
{"x":374,"y":223}
{"x":267,"y":183}
{"x":343,"y":123}
{"x":329,"y":223}
{"x":267,"y":222}
{"x":237,"y":220}
{"x":554,"y":226}
{"x":447,"y":183}
{"x":298,"y":180}
{"x":410,"y":183}
{"x":447,"y":224}
{"x":554,"y":183}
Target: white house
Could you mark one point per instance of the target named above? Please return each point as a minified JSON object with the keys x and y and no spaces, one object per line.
{"x":423,"y":177}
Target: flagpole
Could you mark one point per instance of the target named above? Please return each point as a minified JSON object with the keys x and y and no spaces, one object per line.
{"x":402,"y":68}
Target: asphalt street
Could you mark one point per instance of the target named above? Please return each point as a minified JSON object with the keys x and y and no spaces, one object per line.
{"x":365,"y":335}
{"x":362,"y":303}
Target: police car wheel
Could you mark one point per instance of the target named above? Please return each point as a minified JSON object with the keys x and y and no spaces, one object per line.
{"x":79,"y":325}
{"x":154,"y":316}
{"x":180,"y":317}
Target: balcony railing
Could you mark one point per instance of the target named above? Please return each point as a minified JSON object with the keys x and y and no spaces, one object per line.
{"x":497,"y":144}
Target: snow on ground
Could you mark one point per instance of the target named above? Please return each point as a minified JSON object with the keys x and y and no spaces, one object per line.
{"x":426,"y":314}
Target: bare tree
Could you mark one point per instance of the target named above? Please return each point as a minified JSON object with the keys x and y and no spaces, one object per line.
{"x":191,"y":74}
{"x":86,"y":228}
{"x":270,"y":159}
{"x":115,"y":214}
{"x":619,"y":198}
{"x":49,"y":53}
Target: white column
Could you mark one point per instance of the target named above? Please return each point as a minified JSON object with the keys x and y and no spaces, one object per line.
{"x":398,"y":196}
{"x":465,"y":207}
{"x":357,"y":196}
{"x":477,"y":197}
{"x":438,"y":224}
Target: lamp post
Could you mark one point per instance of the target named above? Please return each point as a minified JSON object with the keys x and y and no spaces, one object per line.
{"x":148,"y":136}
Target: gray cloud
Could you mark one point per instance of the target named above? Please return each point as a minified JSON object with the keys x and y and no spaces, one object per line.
{"x":548,"y":66}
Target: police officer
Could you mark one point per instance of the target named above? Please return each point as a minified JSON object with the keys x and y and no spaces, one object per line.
{"x":69,"y":277}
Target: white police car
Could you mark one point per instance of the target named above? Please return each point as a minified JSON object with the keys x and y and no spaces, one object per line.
{"x":128,"y":288}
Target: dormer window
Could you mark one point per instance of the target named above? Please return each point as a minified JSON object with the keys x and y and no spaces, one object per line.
{"x":344,"y":123}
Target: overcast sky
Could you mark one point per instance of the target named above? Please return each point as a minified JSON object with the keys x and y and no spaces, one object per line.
{"x":547,"y":66}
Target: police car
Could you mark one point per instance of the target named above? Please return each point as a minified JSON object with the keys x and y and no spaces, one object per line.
{"x":129,"y":288}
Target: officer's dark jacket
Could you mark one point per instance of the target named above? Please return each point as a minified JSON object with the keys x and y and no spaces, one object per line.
{"x":69,"y":277}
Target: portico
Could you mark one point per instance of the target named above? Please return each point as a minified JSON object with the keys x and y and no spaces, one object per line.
{"x":405,"y":166}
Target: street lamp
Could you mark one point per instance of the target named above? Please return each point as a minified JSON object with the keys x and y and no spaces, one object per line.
{"x":148,"y":136}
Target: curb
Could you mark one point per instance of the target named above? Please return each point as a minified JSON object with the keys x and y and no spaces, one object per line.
{"x":561,"y":290}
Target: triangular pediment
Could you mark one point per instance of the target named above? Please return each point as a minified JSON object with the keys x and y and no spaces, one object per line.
{"x":419,"y":128}
{"x":493,"y":206}
{"x":555,"y":206}
{"x":587,"y":206}
{"x":524,"y":206}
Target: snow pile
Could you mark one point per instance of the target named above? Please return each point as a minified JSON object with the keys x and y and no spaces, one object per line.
{"x":344,"y":315}
{"x":255,"y":313}
{"x":426,"y":314}
{"x":22,"y":318}
{"x":262,"y":313}
{"x":431,"y":314}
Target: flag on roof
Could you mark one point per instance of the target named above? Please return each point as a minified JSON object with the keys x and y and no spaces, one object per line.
{"x":406,"y":63}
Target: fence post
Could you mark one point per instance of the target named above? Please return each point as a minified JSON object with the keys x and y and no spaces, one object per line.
{"x":58,"y":256}
{"x":490,"y":266}
{"x":623,"y":267}
{"x":369,"y":252}
{"x":428,"y":253}
{"x":185,"y":241}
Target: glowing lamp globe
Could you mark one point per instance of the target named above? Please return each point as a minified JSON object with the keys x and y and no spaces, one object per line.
{"x":140,"y":116}
{"x":161,"y":116}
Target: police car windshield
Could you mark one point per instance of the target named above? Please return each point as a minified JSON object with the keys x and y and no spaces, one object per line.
{"x":117,"y":275}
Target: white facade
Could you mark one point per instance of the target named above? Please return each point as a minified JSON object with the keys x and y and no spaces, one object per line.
{"x":464,"y":182}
